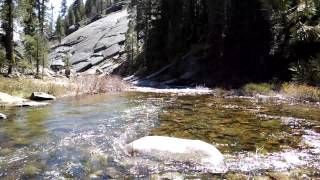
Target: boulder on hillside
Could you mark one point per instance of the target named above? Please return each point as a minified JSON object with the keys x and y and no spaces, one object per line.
{"x":2,"y":116}
{"x":73,"y":28}
{"x":40,"y":96}
{"x":95,"y":18}
{"x":114,"y":8}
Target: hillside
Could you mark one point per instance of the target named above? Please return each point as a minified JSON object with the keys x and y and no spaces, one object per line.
{"x":99,"y":45}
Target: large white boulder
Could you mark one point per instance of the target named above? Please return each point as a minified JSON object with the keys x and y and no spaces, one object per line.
{"x":2,"y":116}
{"x":175,"y":149}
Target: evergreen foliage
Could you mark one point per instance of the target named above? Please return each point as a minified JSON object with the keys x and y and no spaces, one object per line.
{"x":233,"y":41}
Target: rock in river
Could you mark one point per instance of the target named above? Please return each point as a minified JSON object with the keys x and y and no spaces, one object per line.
{"x":180,"y":150}
{"x":2,"y":116}
{"x":12,"y":101}
{"x":40,"y":96}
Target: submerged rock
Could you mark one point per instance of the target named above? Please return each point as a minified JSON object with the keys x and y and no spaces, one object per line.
{"x":180,"y":150}
{"x":2,"y":116}
{"x":40,"y":96}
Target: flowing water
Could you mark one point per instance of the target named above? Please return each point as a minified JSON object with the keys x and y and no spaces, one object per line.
{"x":84,"y":137}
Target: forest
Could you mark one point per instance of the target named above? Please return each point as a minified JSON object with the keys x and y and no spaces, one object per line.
{"x":233,"y":42}
{"x":160,"y":89}
{"x":228,"y":42}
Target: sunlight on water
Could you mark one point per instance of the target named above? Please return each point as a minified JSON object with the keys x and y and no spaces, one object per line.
{"x":85,"y":136}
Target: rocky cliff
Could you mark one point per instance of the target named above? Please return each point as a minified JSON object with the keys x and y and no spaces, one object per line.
{"x":97,"y":46}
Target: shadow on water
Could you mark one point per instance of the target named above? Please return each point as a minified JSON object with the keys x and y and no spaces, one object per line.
{"x":84,"y":137}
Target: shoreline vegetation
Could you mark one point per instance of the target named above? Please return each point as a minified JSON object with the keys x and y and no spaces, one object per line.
{"x":62,"y":87}
{"x":89,"y":85}
{"x":290,"y":91}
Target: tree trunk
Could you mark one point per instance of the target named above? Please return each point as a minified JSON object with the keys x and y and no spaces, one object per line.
{"x":9,"y":35}
{"x":216,"y":23}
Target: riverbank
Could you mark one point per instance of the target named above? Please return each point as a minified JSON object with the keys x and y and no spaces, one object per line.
{"x":88,"y":85}
{"x":20,"y":89}
{"x":285,"y":92}
{"x":290,"y":91}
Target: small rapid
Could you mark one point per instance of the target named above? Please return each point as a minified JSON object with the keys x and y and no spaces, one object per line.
{"x":84,"y":137}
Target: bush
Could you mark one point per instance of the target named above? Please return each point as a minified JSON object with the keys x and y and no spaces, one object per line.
{"x":92,"y":84}
{"x":307,"y":71}
{"x":301,"y":92}
{"x":261,"y":88}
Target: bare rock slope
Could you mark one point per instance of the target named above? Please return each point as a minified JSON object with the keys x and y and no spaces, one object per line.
{"x":99,"y":45}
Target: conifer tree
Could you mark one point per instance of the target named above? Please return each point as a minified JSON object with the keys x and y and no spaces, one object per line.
{"x":59,"y":28}
{"x":7,"y":16}
{"x":71,"y":17}
{"x":64,"y":8}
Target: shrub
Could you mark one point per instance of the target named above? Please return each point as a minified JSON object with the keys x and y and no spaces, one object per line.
{"x":92,"y":84}
{"x":261,"y":88}
{"x":307,"y":71}
{"x":301,"y":92}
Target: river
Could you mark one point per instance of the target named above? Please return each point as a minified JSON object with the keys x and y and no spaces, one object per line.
{"x":84,"y":137}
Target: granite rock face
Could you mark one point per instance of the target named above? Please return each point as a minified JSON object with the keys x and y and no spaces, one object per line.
{"x":99,"y":45}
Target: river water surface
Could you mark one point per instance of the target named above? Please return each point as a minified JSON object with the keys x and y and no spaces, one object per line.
{"x":84,"y":137}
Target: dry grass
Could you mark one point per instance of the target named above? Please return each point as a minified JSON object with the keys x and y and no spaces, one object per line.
{"x":290,"y":90}
{"x":24,"y":87}
{"x":301,"y":92}
{"x":62,"y":87}
{"x":91,"y":84}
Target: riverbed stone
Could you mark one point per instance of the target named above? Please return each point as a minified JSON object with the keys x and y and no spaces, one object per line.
{"x":2,"y":116}
{"x":13,"y":101}
{"x":41,"y":96}
{"x":180,"y":150}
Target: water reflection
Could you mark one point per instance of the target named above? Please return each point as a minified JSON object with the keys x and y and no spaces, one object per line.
{"x":23,"y":127}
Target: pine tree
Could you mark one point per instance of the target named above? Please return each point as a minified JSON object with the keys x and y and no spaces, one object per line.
{"x":59,"y":28}
{"x":88,"y":8}
{"x":29,"y":17}
{"x":64,"y":8}
{"x":71,"y":17}
{"x":78,"y":10}
{"x":77,"y":15}
{"x":8,"y":14}
{"x":41,"y":40}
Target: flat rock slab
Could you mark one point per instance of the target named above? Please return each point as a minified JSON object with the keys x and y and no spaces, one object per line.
{"x":179,"y":150}
{"x":111,"y":51}
{"x":83,"y":66}
{"x":12,"y":101}
{"x":96,"y":60}
{"x":2,"y":116}
{"x":40,"y":96}
{"x":104,"y":38}
{"x":79,"y":57}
